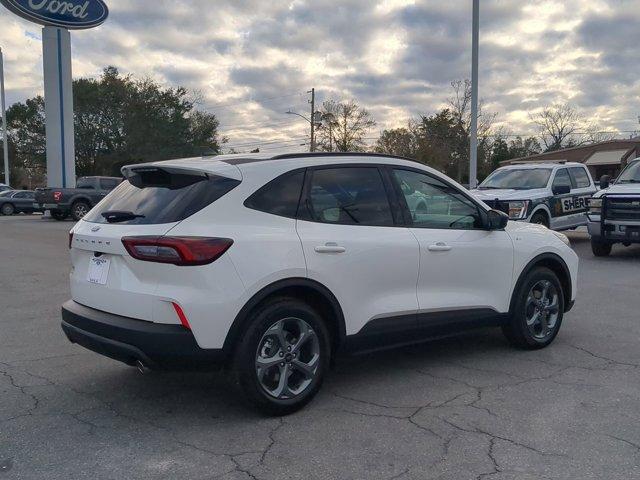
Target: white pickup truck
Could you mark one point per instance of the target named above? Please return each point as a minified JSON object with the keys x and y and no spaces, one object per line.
{"x":614,"y":211}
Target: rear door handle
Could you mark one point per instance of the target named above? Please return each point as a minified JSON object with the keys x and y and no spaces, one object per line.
{"x":439,"y":247}
{"x":330,"y":248}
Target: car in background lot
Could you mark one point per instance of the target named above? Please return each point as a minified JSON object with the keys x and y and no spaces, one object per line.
{"x":272,"y":264}
{"x":614,"y":211}
{"x":4,"y":187}
{"x":17,"y":201}
{"x":553,"y":195}
{"x":77,"y":202}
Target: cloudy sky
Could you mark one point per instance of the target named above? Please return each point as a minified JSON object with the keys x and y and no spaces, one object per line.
{"x":252,"y":60}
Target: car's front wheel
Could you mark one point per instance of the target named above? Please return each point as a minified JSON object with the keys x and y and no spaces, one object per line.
{"x":538,"y":310}
{"x":282,"y":358}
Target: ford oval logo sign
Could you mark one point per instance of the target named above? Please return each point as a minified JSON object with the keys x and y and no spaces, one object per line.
{"x":71,"y":14}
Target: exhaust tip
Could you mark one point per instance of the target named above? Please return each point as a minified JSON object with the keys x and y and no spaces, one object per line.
{"x":142,"y":368}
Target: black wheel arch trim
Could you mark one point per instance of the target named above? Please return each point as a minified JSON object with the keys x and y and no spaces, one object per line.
{"x":272,"y":290}
{"x":539,"y":261}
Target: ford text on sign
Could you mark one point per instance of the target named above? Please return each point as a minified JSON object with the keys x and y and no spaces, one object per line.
{"x":72,"y":14}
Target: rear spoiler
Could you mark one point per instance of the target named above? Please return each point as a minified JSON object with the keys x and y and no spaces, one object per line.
{"x":143,"y":176}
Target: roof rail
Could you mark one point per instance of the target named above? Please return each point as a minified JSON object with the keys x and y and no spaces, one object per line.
{"x":285,"y":156}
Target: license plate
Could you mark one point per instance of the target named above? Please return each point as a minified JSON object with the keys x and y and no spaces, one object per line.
{"x":50,"y":205}
{"x":98,"y":270}
{"x":36,"y":205}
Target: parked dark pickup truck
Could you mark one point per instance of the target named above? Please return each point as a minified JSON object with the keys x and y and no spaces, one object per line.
{"x":77,"y":202}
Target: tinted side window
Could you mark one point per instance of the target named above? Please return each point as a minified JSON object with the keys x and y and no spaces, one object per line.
{"x":434,"y":204}
{"x":280,"y":196}
{"x":86,"y":184}
{"x":562,"y":178}
{"x":108,"y":183}
{"x":580,"y":177}
{"x":349,"y":196}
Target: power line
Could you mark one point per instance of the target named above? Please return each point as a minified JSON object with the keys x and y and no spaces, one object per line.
{"x":251,"y":100}
{"x":259,"y":143}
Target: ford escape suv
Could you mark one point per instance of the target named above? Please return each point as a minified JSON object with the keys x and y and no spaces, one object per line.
{"x":274,"y":264}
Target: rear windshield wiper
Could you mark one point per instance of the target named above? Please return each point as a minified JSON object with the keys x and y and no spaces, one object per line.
{"x":116,"y":216}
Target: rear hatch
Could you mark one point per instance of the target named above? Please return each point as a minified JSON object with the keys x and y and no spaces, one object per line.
{"x":150,"y":203}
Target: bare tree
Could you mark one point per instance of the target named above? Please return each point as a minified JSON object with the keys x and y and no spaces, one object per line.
{"x":557,"y":125}
{"x":346,"y":127}
{"x":594,"y":134}
{"x":460,"y":108}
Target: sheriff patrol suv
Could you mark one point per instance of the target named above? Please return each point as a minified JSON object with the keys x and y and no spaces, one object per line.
{"x":554,"y":195}
{"x":614,"y":212}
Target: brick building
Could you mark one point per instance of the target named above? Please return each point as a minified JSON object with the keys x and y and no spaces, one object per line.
{"x":604,"y":158}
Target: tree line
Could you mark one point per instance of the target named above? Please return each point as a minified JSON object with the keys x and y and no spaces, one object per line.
{"x":121,"y":120}
{"x":118,"y":120}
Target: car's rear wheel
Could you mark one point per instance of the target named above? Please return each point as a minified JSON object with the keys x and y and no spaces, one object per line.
{"x":60,"y":216}
{"x":282,"y":358}
{"x":538,"y":310}
{"x":79,"y":210}
{"x":601,"y":249}
{"x":7,"y":209}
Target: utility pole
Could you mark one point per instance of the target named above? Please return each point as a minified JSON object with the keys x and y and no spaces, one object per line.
{"x":5,"y":137}
{"x":312,"y":147}
{"x":473,"y":163}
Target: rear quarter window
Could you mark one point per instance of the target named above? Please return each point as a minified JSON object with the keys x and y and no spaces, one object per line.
{"x":280,"y":196}
{"x":177,"y":197}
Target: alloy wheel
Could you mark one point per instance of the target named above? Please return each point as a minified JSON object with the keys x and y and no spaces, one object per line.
{"x":542,"y":309}
{"x":287,"y":358}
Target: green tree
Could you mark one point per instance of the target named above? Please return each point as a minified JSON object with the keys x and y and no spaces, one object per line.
{"x":397,"y":141}
{"x":118,"y":120}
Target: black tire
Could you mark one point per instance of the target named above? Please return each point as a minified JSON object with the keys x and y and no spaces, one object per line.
{"x":601,"y":249}
{"x":7,"y":209}
{"x":540,"y":218}
{"x":516,"y":330}
{"x":59,"y":216}
{"x":244,"y":361}
{"x":79,"y":209}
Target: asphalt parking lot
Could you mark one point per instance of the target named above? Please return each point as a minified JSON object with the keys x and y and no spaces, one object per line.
{"x":462,"y":408}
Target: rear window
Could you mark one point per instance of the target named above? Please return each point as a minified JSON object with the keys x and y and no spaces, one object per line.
{"x":161,"y":197}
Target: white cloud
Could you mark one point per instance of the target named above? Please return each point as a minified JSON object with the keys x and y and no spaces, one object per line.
{"x":254,"y":60}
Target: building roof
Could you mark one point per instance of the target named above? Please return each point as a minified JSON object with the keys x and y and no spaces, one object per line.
{"x":583,"y":152}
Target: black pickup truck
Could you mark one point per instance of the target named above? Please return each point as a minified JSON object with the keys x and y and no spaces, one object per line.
{"x":77,"y":202}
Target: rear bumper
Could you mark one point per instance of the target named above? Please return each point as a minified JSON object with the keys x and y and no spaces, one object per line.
{"x":157,"y":346}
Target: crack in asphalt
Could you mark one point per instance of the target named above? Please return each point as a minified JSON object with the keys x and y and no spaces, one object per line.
{"x":601,"y":357}
{"x":624,"y":440}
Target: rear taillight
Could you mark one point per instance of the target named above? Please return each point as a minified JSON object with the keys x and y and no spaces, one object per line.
{"x":70,"y":240}
{"x":183,"y":251}
{"x":57,"y":196}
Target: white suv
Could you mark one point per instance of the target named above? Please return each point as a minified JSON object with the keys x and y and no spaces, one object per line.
{"x":272,"y":265}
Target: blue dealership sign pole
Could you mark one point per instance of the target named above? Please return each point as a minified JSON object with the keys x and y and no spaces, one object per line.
{"x":58,"y":101}
{"x":58,"y":17}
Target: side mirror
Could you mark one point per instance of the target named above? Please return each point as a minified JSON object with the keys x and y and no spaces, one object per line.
{"x":605,"y":181}
{"x":497,"y":220}
{"x":561,"y":189}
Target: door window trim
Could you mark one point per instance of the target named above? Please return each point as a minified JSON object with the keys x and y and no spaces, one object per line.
{"x":408,"y":220}
{"x":303,"y":207}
